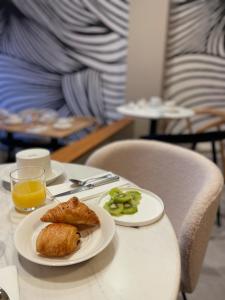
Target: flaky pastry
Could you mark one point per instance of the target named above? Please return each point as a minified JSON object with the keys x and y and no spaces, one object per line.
{"x":57,"y":240}
{"x":71,"y":212}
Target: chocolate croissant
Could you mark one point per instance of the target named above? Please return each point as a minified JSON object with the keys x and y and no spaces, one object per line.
{"x":71,"y":212}
{"x":57,"y":240}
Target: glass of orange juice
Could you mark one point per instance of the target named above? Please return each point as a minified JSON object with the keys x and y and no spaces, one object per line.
{"x":28,"y":188}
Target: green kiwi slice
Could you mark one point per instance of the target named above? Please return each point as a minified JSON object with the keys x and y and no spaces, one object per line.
{"x":122,"y":198}
{"x":129,"y":209}
{"x":114,"y":192}
{"x":115,"y":209}
{"x":118,"y":196}
{"x":135,"y":196}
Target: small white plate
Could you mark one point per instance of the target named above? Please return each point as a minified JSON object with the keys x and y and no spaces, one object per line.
{"x":177,"y":112}
{"x":150,"y":209}
{"x":92,"y":242}
{"x":62,"y":126}
{"x":138,"y":112}
{"x":13,"y":121}
{"x":57,"y":170}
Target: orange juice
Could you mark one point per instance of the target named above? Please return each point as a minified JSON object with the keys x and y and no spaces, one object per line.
{"x":29,"y":194}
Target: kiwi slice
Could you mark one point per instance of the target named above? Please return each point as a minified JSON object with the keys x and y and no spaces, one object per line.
{"x":122,"y":198}
{"x":114,"y":192}
{"x":129,"y":209}
{"x":135,"y":196}
{"x":115,"y":209}
{"x":118,"y":196}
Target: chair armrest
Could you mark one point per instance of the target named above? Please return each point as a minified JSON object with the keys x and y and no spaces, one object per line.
{"x":215,"y":123}
{"x":210,"y":111}
{"x":211,"y":124}
{"x":77,"y":149}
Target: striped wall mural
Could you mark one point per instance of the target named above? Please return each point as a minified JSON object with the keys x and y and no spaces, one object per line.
{"x":195,"y":63}
{"x":69,"y":55}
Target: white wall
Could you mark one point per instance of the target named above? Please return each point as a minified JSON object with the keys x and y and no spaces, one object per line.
{"x":146,"y":51}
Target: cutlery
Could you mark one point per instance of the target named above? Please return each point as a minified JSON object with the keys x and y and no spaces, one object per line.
{"x":3,"y":295}
{"x":88,"y":186}
{"x":84,"y":182}
{"x":93,"y":196}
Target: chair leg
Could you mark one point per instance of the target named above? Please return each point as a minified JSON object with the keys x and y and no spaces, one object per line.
{"x":214,"y":152}
{"x":193,"y":146}
{"x":222,"y":152}
{"x":184,"y":295}
{"x":218,"y":216}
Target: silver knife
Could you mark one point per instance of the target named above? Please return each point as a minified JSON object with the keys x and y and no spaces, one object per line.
{"x":88,"y":186}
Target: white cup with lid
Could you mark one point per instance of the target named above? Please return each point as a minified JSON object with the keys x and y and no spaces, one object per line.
{"x":35,"y":157}
{"x":155,"y":101}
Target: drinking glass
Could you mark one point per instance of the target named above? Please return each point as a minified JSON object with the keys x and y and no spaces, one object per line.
{"x":28,"y":188}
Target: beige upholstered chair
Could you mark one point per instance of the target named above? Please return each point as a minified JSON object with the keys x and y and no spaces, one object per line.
{"x":189,"y":184}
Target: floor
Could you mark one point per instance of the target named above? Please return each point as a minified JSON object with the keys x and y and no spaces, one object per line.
{"x":211,"y":285}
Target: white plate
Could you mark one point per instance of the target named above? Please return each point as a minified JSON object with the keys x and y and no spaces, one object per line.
{"x":177,"y":112}
{"x":150,"y":209}
{"x":13,"y":121}
{"x":91,"y":244}
{"x":57,"y":170}
{"x":62,"y":126}
{"x":146,"y":112}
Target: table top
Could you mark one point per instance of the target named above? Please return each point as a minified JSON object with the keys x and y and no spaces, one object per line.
{"x":139,"y":263}
{"x":78,"y":124}
{"x":156,"y":113}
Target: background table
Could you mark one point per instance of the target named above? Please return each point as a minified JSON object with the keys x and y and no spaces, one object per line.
{"x":154,"y":114}
{"x":78,"y":124}
{"x":140,"y":263}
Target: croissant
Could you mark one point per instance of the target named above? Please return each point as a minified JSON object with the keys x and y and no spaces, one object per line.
{"x":71,"y":212}
{"x":57,"y":240}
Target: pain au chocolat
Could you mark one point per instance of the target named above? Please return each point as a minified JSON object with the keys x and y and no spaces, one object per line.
{"x":57,"y":240}
{"x":71,"y":212}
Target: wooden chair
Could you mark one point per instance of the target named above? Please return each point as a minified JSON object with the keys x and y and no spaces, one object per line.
{"x":79,"y":150}
{"x":215,"y":124}
{"x":211,"y":132}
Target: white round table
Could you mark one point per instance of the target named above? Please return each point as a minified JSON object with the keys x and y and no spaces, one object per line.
{"x":139,"y":263}
{"x":154,"y":114}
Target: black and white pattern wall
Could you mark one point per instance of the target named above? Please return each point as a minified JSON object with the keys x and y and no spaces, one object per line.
{"x":195,"y":64}
{"x":69,"y":55}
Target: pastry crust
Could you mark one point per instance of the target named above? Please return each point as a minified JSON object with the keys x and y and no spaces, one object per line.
{"x":71,"y":212}
{"x":57,"y":240}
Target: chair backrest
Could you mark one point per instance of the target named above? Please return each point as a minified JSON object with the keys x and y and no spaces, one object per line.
{"x":188,"y":183}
